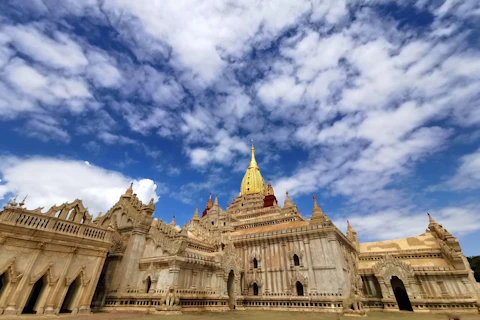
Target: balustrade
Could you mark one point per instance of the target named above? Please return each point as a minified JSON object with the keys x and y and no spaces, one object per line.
{"x":39,"y":221}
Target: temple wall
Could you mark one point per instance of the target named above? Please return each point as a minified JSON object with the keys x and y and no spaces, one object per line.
{"x":321,"y":269}
{"x":51,"y":262}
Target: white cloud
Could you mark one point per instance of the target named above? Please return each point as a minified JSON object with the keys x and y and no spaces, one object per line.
{"x":59,"y":51}
{"x":50,"y":181}
{"x":45,"y":128}
{"x":467,"y":175}
{"x":110,"y":138}
{"x":393,"y":224}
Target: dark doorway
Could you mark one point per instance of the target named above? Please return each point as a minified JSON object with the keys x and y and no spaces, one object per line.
{"x":149,"y":284}
{"x":37,"y":290}
{"x":231,"y":289}
{"x":296,"y":260}
{"x":255,"y":289}
{"x":255,"y":263}
{"x":3,"y":282}
{"x":299,"y":288}
{"x":69,"y":301}
{"x":401,"y":294}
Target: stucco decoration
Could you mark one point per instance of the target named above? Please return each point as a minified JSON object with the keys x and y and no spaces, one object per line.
{"x":254,"y":278}
{"x":298,"y":276}
{"x":10,"y":269}
{"x":300,"y":253}
{"x":231,"y":261}
{"x":83,"y":277}
{"x":48,"y":270}
{"x":389,"y":267}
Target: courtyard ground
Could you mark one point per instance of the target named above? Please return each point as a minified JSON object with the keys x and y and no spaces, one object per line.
{"x":247,"y":315}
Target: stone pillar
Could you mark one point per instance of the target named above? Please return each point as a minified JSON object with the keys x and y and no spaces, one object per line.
{"x":336,"y":254}
{"x":15,"y":301}
{"x":131,"y":258}
{"x":11,"y":286}
{"x":209,"y":281}
{"x":92,"y":285}
{"x":311,"y":272}
{"x":266,"y":261}
{"x":384,"y":288}
{"x":51,"y":298}
{"x":286,"y":267}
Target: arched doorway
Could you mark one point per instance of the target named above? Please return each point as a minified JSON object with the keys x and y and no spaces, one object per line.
{"x":299,"y":288}
{"x":231,"y":289}
{"x":255,"y":289}
{"x":255,"y":263}
{"x":3,"y":283}
{"x":401,"y":294}
{"x":148,"y":284}
{"x":69,"y":302}
{"x":37,"y":290}
{"x":296,"y":260}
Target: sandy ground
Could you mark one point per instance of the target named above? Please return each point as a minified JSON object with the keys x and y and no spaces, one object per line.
{"x":247,"y":315}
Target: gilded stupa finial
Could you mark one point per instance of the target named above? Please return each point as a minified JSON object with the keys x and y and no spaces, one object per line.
{"x":253,"y":161}
{"x":173,"y":222}
{"x":252,"y":180}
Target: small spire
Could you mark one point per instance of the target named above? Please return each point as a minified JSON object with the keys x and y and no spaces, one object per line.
{"x":173,"y":222}
{"x":269,"y":190}
{"x":216,"y":200}
{"x":129,"y":191}
{"x":23,"y":201}
{"x":13,"y":203}
{"x":318,"y":216}
{"x":430,"y":219}
{"x":315,"y":205}
{"x":287,"y":203}
{"x":351,"y":234}
{"x":195,"y":215}
{"x":209,"y":202}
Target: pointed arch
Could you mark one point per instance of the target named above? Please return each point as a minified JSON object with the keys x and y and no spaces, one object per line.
{"x":83,"y":277}
{"x":48,"y":271}
{"x":299,"y":253}
{"x":9,"y":268}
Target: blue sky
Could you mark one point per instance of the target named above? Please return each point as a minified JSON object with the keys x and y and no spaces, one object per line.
{"x":371,"y":105}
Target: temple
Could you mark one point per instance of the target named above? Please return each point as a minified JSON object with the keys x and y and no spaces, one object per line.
{"x":254,"y":254}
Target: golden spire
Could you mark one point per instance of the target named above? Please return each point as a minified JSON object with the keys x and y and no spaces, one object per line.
{"x":252,"y":180}
{"x":288,"y":202}
{"x":253,"y":162}
{"x":173,"y":222}
{"x":195,"y":215}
